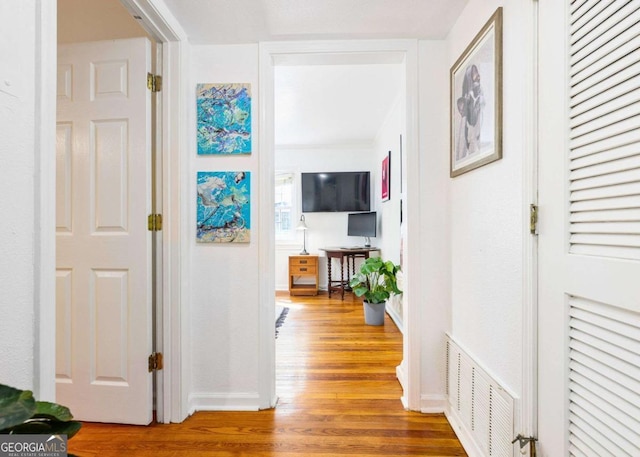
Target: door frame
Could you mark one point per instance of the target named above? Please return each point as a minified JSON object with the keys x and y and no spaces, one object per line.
{"x":281,"y":53}
{"x":157,"y":20}
{"x":526,"y":421}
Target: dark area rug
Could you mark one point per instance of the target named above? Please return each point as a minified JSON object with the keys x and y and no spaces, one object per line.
{"x":280,"y":319}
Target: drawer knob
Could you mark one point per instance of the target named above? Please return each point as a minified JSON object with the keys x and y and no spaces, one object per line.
{"x":303,"y":269}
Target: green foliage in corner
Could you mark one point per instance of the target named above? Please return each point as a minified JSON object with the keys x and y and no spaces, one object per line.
{"x":21,"y":414}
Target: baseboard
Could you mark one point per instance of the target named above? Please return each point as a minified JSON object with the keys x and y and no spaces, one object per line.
{"x":395,"y":317}
{"x":401,"y":374}
{"x":237,"y":401}
{"x":464,"y":436}
{"x":430,"y":404}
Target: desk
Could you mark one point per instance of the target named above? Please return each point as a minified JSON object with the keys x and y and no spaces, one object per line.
{"x":351,"y":254}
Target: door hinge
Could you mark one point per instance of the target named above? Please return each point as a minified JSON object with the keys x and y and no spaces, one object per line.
{"x":154,"y":82}
{"x":155,"y":361}
{"x":154,"y":222}
{"x":524,"y":440}
{"x":533,"y":219}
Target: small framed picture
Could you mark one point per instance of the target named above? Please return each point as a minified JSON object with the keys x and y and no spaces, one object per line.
{"x":476,"y":100}
{"x":223,"y":207}
{"x":386,"y":177}
{"x":224,"y":118}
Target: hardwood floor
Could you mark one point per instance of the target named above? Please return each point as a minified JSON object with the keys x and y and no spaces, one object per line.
{"x":338,"y":395}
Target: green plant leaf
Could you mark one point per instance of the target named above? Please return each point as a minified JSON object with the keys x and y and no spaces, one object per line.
{"x":16,"y":406}
{"x":376,"y":280}
{"x":53,"y":410}
{"x":359,"y":290}
{"x":43,"y":425}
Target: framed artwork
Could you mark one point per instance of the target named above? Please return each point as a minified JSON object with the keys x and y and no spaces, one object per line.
{"x":476,"y":100}
{"x":223,"y":207}
{"x":224,"y":118}
{"x":386,"y":177}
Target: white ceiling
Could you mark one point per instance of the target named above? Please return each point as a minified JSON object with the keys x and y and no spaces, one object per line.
{"x":333,"y":105}
{"x":251,"y":21}
{"x":316,"y":105}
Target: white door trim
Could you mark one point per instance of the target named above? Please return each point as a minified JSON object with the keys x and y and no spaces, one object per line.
{"x":274,"y":53}
{"x":44,"y":357}
{"x":526,"y":419}
{"x":158,"y":21}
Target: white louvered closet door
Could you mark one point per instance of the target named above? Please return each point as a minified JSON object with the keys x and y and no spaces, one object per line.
{"x":589,"y":230}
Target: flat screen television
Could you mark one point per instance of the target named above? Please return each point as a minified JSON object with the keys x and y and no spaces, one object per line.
{"x":363,"y":224}
{"x":336,"y":191}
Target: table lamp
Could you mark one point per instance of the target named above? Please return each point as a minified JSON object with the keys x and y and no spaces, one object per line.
{"x":303,"y":226}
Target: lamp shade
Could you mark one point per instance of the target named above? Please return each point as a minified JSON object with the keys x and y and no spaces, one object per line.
{"x":302,"y":225}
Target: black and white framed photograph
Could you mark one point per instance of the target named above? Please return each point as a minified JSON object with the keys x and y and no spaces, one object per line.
{"x":476,"y":100}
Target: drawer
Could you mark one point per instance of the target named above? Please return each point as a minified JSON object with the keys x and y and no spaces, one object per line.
{"x":295,"y":261}
{"x":302,"y":269}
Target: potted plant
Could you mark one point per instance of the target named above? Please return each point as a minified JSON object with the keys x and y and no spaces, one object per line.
{"x":376,"y":281}
{"x":21,"y":414}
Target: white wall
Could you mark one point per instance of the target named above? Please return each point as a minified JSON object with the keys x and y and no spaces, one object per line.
{"x":27,"y":196}
{"x":325,"y":229}
{"x":223,"y":278}
{"x":487,"y":217}
{"x":388,"y":140}
{"x":17,"y":192}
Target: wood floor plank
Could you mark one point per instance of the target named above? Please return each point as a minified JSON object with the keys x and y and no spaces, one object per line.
{"x":337,"y":395}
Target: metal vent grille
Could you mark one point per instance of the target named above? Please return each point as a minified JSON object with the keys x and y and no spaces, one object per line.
{"x":604,"y":158}
{"x":604,"y":380}
{"x":447,"y":367}
{"x":479,"y":404}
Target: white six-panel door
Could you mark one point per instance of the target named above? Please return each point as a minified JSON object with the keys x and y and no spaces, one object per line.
{"x":589,"y":230}
{"x":103,"y":329}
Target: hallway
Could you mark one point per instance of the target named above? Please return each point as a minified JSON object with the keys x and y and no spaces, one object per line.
{"x":338,"y":395}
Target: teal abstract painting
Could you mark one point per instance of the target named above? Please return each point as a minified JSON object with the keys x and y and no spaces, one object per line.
{"x":224,"y":118}
{"x":224,"y":210}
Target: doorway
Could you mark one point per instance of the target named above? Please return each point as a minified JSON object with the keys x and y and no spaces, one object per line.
{"x":326,"y":120}
{"x":273,"y":55}
{"x":105,"y":268}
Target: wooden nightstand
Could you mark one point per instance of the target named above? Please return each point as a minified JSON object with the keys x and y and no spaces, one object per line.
{"x":303,"y":266}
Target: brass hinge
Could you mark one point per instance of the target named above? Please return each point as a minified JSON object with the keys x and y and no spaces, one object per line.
{"x":154,"y":82}
{"x":154,"y":222}
{"x":155,"y":361}
{"x":533,"y":219}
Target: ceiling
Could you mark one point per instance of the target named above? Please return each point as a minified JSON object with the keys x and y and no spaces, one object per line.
{"x":316,"y":105}
{"x":251,"y":21}
{"x":333,"y":105}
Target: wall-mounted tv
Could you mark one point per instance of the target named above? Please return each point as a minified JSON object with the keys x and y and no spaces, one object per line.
{"x":336,"y":191}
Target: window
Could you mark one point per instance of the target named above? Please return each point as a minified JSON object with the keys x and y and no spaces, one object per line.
{"x":284,"y":205}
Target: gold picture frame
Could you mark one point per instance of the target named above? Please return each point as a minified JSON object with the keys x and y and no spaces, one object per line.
{"x":476,"y":101}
